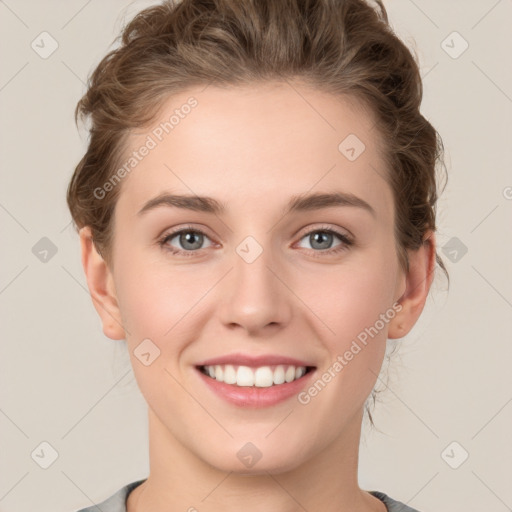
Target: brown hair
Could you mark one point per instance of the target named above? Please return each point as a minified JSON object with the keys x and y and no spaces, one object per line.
{"x":338,"y":46}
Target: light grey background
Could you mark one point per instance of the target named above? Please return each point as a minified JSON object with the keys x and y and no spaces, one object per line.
{"x":64,"y":383}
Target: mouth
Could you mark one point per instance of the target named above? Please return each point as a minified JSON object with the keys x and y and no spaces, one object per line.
{"x":259,"y":376}
{"x":255,"y":381}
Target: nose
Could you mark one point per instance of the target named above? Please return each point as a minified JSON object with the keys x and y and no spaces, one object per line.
{"x":254,"y":295}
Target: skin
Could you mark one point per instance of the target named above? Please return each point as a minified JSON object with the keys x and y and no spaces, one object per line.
{"x":253,"y":148}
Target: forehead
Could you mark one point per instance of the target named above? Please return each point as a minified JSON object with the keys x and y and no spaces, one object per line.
{"x":245,"y":144}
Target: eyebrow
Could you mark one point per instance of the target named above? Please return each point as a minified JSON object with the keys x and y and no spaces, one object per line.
{"x":300,"y":203}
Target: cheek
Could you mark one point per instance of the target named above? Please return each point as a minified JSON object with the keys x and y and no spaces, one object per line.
{"x":153,"y":298}
{"x":356,"y":306}
{"x":353,"y":298}
{"x":157,"y":305}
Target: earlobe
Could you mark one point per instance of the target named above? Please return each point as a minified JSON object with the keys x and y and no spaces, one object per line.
{"x":101,"y":287}
{"x":418,"y":281}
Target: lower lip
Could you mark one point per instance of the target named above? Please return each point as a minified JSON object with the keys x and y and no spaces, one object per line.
{"x":252,"y":396}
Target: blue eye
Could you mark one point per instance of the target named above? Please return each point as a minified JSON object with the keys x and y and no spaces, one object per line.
{"x":322,"y":240}
{"x":191,"y":240}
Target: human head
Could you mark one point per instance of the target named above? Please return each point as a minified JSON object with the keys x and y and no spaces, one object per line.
{"x":340,"y":48}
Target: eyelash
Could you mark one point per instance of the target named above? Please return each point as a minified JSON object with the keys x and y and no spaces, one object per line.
{"x":345,"y":245}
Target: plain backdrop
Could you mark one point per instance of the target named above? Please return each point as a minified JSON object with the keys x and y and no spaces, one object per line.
{"x":444,"y":441}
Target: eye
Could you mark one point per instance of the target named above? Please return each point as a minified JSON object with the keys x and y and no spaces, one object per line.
{"x":189,"y":240}
{"x":321,"y":240}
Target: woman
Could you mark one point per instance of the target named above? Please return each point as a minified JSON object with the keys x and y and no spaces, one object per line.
{"x":256,"y":210}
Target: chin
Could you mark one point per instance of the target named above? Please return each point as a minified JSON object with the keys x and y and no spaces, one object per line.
{"x":249,"y":460}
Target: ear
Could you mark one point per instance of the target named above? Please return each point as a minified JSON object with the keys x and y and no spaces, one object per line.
{"x":417,"y":285}
{"x":101,"y":287}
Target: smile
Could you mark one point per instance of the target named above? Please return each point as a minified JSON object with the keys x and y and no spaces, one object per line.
{"x":260,"y":377}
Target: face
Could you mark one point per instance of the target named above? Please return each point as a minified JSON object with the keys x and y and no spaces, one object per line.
{"x":258,"y":277}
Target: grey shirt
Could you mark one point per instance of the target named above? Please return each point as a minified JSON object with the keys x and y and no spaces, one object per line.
{"x":117,"y":502}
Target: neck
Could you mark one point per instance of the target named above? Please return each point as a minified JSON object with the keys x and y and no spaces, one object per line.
{"x":179,"y":480}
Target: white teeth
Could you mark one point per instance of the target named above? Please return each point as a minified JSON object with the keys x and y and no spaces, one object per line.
{"x":261,"y":377}
{"x":299,"y":372}
{"x":290,"y":374}
{"x":229,"y":374}
{"x":279,"y":375}
{"x":244,"y":376}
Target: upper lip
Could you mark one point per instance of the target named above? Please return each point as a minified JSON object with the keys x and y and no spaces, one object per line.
{"x":254,"y":361}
